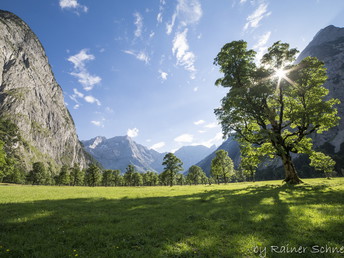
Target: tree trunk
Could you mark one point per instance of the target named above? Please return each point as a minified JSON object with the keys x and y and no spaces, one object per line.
{"x":291,"y":176}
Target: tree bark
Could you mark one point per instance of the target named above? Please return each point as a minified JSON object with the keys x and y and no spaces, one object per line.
{"x":291,"y":176}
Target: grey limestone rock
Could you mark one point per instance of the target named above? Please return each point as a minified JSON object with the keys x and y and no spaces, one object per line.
{"x":32,"y":99}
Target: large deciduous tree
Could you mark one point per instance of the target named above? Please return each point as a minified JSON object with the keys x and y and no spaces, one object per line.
{"x":172,"y":166}
{"x":275,"y":106}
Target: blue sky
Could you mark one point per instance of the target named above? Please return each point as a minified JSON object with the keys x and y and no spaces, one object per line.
{"x":145,"y":67}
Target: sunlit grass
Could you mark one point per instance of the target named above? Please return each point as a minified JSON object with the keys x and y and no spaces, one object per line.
{"x":232,"y":220}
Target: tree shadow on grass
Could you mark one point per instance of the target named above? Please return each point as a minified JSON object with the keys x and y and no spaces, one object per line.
{"x":215,"y":223}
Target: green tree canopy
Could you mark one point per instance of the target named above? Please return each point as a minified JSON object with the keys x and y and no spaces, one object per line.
{"x":77,"y":175}
{"x":274,"y":107}
{"x":172,"y":166}
{"x":129,"y":175}
{"x":196,"y":175}
{"x":64,"y":176}
{"x":222,"y":166}
{"x":93,"y":175}
{"x":38,"y":174}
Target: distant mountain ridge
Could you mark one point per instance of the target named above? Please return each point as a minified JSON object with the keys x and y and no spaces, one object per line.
{"x":120,"y":151}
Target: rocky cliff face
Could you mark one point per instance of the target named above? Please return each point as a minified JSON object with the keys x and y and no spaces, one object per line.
{"x":120,"y":151}
{"x":31,"y":98}
{"x":328,"y":46}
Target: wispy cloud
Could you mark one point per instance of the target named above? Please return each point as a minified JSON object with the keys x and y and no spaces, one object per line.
{"x":142,"y":56}
{"x":159,"y":17}
{"x":187,"y":12}
{"x":80,"y":71}
{"x":98,"y":123}
{"x":211,"y":125}
{"x":180,"y":49}
{"x":139,"y":24}
{"x":163,"y":75}
{"x":158,"y":146}
{"x":73,"y":5}
{"x":133,"y":132}
{"x":169,"y":26}
{"x":91,"y":99}
{"x":254,"y":19}
{"x":76,"y":106}
{"x":199,"y":122}
{"x":215,"y":140}
{"x":184,"y":138}
{"x":260,"y":46}
{"x":78,"y":94}
{"x":190,"y":11}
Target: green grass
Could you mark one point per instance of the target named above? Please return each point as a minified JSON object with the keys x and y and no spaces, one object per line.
{"x":182,"y":221}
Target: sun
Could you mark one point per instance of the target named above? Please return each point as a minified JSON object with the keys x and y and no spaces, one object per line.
{"x":280,"y":73}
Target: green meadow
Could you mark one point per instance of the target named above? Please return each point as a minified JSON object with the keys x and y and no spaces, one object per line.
{"x":266,"y":219}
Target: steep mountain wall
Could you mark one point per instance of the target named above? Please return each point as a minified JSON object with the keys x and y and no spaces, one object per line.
{"x":31,"y":98}
{"x":120,"y":151}
{"x":328,"y":46}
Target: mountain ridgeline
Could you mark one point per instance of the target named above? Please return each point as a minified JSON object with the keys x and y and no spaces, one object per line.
{"x":120,"y":151}
{"x":31,"y":99}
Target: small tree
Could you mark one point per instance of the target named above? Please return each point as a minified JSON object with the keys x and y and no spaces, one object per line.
{"x":37,"y":175}
{"x":108,"y":178}
{"x":180,"y":178}
{"x":172,"y":166}
{"x":323,"y":163}
{"x":222,"y":166}
{"x":77,"y":175}
{"x":128,"y":176}
{"x":64,"y":176}
{"x":196,"y":175}
{"x":93,"y":175}
{"x":117,"y":178}
{"x":137,"y":179}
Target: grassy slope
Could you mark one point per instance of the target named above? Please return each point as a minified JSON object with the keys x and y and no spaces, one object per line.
{"x":200,"y":221}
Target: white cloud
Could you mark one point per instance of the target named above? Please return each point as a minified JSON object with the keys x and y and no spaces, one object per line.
{"x":139,"y":24}
{"x":261,"y":45}
{"x":161,"y":9}
{"x":133,"y":132}
{"x":190,"y":11}
{"x":187,"y":12}
{"x":76,"y":106}
{"x":243,"y":1}
{"x":159,"y":17}
{"x":86,"y":80}
{"x":199,"y":122}
{"x":169,"y":26}
{"x":80,"y":59}
{"x":202,"y":131}
{"x":142,"y":56}
{"x":184,"y":138}
{"x":254,"y":19}
{"x":163,"y":75}
{"x":73,"y":4}
{"x":184,"y":57}
{"x":195,"y":89}
{"x":152,"y":34}
{"x":78,"y":94}
{"x":211,"y":125}
{"x":80,"y":72}
{"x":158,"y":146}
{"x":216,"y":140}
{"x":91,"y":99}
{"x":97,"y":123}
